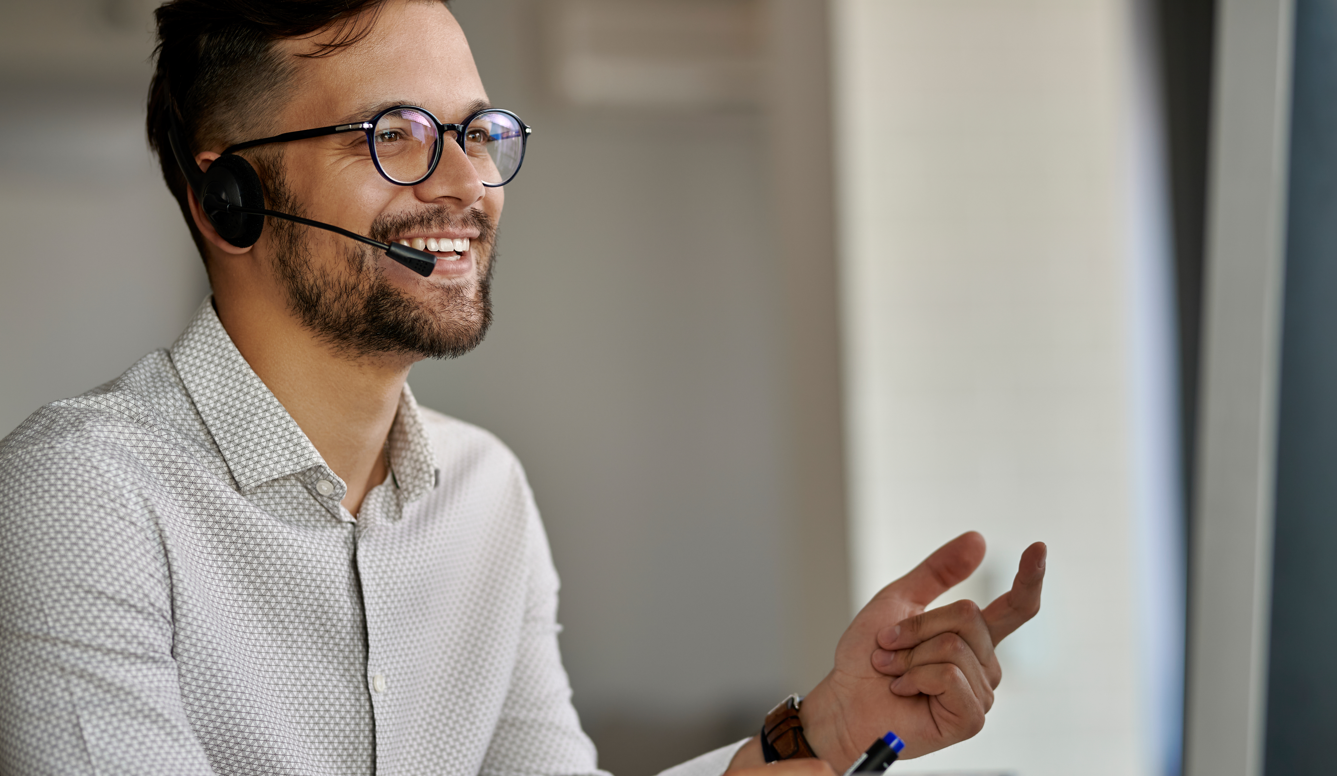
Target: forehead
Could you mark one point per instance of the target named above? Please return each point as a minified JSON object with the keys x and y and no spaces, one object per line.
{"x":414,"y":52}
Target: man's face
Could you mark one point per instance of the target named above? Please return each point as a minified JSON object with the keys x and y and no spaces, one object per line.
{"x":351,"y":295}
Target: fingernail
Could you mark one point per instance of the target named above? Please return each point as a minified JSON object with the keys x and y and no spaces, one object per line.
{"x":895,"y":634}
{"x":897,"y":682}
{"x":883,"y":658}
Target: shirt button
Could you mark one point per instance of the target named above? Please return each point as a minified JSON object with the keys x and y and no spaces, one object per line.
{"x":378,"y":683}
{"x":324,"y":487}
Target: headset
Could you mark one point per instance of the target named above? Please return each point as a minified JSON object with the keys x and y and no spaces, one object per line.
{"x":232,"y":198}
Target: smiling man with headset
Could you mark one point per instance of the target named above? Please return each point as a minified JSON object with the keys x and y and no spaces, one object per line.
{"x":254,"y":553}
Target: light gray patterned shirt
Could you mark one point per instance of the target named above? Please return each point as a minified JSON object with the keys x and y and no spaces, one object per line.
{"x":181,"y":592}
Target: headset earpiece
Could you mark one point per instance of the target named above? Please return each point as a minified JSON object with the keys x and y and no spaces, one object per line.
{"x":231,"y":180}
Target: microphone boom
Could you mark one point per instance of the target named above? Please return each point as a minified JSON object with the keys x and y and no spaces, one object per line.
{"x":420,"y":262}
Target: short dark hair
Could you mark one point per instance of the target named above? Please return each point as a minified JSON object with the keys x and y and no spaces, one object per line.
{"x":217,"y":72}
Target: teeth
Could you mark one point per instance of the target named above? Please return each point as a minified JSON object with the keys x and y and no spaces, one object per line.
{"x":443,"y":245}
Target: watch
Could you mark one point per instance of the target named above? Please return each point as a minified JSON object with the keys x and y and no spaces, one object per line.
{"x":782,"y":733}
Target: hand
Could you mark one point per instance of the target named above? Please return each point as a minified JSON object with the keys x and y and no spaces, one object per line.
{"x":943,"y":660}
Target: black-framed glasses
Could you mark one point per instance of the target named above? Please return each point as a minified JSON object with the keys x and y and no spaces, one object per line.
{"x":405,"y":143}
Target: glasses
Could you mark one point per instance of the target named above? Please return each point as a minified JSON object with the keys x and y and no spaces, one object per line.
{"x":405,"y":143}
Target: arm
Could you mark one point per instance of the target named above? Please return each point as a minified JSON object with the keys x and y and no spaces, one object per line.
{"x":538,"y":731}
{"x":89,"y":683}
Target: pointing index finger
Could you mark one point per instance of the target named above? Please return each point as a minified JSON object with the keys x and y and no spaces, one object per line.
{"x":1012,"y":609}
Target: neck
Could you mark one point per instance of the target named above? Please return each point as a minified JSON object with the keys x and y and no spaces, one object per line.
{"x":344,"y":406}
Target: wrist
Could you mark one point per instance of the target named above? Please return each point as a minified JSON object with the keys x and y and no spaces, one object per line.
{"x":749,"y":756}
{"x":824,"y":725}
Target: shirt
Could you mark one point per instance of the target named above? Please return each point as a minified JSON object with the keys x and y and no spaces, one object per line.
{"x":182,"y":592}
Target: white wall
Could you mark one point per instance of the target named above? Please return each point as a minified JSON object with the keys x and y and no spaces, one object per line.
{"x":1007,"y":330}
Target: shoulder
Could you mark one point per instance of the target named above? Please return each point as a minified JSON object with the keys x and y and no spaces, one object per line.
{"x":97,"y":446}
{"x":459,"y":443}
{"x":493,"y":490}
{"x":77,"y":511}
{"x":149,"y":397}
{"x":481,"y":471}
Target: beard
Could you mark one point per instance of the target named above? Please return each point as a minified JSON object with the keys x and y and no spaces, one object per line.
{"x":358,"y":311}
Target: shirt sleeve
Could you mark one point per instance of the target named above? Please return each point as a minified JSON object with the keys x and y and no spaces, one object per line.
{"x":89,"y":684}
{"x":539,"y":731}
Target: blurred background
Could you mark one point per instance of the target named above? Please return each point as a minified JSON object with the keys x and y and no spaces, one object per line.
{"x":791,"y":292}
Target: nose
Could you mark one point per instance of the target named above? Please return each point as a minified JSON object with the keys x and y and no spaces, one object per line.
{"x":455,"y":181}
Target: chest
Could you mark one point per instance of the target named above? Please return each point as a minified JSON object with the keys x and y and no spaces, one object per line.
{"x":323,"y":644}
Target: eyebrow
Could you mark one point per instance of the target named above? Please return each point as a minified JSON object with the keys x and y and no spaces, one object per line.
{"x":367,"y":111}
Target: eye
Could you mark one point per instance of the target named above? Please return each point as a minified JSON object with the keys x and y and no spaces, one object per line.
{"x":477,"y":136}
{"x":385,"y":135}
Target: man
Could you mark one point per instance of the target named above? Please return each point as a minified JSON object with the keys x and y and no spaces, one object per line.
{"x":255,"y":554}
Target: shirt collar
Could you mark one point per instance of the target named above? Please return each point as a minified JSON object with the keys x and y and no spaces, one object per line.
{"x":258,"y":439}
{"x":412,"y":462}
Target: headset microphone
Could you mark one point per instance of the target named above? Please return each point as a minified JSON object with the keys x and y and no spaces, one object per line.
{"x":233,"y":200}
{"x":420,"y":262}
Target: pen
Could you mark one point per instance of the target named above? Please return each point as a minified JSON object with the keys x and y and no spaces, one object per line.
{"x":879,"y":756}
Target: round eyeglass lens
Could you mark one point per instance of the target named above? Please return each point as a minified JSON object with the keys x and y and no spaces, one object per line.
{"x":405,"y":141}
{"x":495,"y":143}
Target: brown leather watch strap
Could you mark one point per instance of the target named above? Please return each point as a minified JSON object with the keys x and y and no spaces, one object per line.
{"x":782,"y":733}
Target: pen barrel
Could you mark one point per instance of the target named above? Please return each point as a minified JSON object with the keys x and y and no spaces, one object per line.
{"x":876,"y":760}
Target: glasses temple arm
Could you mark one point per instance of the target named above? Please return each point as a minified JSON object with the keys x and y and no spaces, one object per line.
{"x":300,"y":135}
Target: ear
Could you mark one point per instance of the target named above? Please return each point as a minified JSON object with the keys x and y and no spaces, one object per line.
{"x":205,"y":159}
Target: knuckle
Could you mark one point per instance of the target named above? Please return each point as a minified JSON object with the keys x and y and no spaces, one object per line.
{"x":975,"y":724}
{"x":954,"y":645}
{"x":966,"y":609}
{"x":995,"y":675}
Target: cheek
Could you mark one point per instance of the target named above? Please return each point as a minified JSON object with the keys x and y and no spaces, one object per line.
{"x":357,"y":206}
{"x":338,"y":194}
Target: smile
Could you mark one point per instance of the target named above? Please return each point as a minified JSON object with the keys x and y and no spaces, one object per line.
{"x":457,"y":246}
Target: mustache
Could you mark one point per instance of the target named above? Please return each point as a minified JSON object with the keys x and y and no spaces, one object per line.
{"x":434,"y":219}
